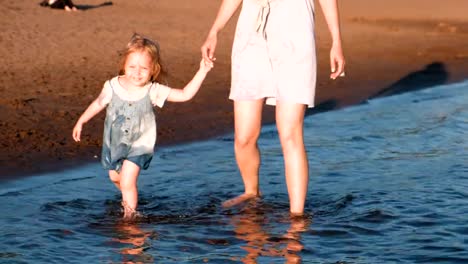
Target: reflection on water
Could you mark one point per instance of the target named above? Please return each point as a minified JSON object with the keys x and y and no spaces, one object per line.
{"x":135,"y":240}
{"x":388,"y":184}
{"x":252,"y":226}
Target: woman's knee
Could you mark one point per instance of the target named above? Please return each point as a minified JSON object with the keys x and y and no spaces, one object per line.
{"x":290,"y":122}
{"x":245,"y":140}
{"x":247,"y":123}
{"x":291,"y":137}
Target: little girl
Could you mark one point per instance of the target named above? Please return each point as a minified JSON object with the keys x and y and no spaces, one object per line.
{"x":130,"y":126}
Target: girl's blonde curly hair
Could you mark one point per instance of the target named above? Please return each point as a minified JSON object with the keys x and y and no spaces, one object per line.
{"x":138,"y":43}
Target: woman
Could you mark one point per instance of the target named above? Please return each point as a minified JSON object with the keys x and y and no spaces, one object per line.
{"x":273,"y":61}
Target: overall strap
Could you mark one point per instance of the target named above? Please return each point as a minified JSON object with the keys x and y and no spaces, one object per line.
{"x":110,"y":84}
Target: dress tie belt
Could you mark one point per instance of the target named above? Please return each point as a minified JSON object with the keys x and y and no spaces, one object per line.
{"x":262,"y":17}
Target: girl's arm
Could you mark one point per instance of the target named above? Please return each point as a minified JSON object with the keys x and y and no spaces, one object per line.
{"x":337,"y":62}
{"x":225,"y":12}
{"x":189,"y":91}
{"x":93,"y":109}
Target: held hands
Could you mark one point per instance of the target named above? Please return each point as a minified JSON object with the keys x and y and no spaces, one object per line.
{"x":206,"y":66}
{"x":208,"y":48}
{"x":337,"y":62}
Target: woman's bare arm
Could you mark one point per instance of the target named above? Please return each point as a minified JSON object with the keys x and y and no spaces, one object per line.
{"x":225,"y":12}
{"x":337,"y":62}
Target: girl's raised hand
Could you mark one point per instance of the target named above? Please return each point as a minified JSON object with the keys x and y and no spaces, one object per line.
{"x":206,"y":66}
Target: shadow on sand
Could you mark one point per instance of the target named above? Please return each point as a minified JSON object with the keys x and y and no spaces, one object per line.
{"x":434,"y":74}
{"x":322,"y":107}
{"x":87,"y":7}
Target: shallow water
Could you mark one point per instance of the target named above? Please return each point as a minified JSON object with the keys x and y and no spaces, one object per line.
{"x":389,"y":184}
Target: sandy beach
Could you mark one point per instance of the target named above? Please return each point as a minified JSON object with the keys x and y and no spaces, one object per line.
{"x":54,"y":64}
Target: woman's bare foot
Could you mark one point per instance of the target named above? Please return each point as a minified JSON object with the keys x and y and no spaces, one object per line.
{"x":239,"y":199}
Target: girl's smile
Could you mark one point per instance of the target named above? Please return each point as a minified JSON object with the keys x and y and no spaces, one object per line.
{"x":138,"y":68}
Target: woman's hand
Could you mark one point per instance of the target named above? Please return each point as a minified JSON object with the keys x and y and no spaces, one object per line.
{"x":77,"y":132}
{"x":208,"y":48}
{"x":337,"y":62}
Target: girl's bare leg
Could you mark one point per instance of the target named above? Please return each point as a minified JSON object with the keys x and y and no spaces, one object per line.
{"x":114,"y":176}
{"x":128,"y":184}
{"x":290,"y":121}
{"x":247,"y":123}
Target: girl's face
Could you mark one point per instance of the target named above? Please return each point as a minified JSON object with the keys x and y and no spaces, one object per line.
{"x":138,"y":68}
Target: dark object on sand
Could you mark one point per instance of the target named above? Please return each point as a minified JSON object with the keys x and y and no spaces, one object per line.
{"x":59,"y":4}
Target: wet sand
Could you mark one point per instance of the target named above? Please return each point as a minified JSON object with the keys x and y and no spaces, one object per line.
{"x":54,"y":64}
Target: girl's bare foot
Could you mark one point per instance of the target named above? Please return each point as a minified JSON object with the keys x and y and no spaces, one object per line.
{"x":129,"y":212}
{"x":239,"y":199}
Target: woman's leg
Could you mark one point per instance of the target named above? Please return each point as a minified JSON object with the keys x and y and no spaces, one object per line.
{"x":290,"y":121}
{"x":247,"y":126}
{"x":128,"y":184}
